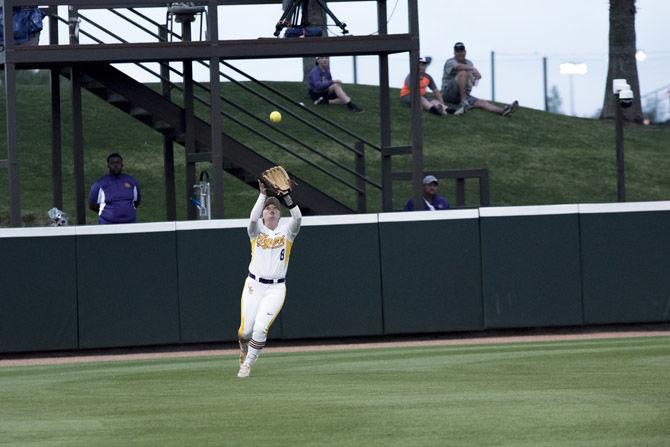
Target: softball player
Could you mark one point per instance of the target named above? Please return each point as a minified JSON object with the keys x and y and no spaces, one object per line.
{"x":265,"y":286}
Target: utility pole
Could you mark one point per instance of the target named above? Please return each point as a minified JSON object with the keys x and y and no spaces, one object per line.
{"x":544,"y":73}
{"x":493,"y":76}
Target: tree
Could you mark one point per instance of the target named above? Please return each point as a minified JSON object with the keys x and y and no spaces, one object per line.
{"x":316,"y":17}
{"x":622,"y":63}
{"x":554,"y":100}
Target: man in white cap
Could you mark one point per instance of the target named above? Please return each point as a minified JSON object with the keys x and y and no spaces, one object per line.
{"x":432,"y":201}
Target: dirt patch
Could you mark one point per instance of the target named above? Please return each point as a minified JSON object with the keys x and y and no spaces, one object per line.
{"x":379,"y":343}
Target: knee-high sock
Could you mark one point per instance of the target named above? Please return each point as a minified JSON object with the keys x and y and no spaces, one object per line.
{"x":255,"y":348}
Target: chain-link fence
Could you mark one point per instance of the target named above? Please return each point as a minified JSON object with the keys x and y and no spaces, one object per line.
{"x":656,"y":105}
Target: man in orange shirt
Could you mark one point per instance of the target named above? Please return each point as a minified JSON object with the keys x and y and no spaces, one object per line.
{"x":435,"y":105}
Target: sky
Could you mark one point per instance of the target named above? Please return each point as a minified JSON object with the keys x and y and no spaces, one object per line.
{"x":519,"y":32}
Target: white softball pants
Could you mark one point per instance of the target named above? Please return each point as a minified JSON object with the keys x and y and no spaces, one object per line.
{"x":260,"y":305}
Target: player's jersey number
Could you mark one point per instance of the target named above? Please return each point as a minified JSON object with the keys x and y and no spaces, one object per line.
{"x":281,"y":255}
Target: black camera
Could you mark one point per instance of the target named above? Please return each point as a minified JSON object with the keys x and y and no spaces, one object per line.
{"x":296,"y":14}
{"x":626,"y":98}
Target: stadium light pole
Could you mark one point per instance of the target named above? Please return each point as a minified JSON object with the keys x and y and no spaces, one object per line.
{"x":544,"y":83}
{"x":493,"y":76}
{"x":571,"y":69}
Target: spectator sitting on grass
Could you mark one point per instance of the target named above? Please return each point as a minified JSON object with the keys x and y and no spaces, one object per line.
{"x":435,"y":105}
{"x":324,"y":90}
{"x":459,"y":76}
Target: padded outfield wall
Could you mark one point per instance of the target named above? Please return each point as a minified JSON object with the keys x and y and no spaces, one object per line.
{"x":365,"y":275}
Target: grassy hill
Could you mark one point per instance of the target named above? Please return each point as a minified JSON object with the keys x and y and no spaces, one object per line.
{"x":534,"y":157}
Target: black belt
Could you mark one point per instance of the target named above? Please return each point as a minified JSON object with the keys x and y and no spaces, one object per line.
{"x":267,"y":281}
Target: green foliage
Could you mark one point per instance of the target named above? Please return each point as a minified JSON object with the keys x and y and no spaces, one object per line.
{"x":533,"y":157}
{"x":580,"y":393}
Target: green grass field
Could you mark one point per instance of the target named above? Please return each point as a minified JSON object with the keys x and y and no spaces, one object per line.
{"x":577,"y":393}
{"x":534,"y":158}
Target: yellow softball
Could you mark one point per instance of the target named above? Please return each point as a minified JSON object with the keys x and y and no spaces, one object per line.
{"x":275,"y":117}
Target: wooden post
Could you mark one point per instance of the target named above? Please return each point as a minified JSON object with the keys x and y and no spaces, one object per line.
{"x":189,"y":126}
{"x":385,"y":112}
{"x":168,"y":142}
{"x":460,"y":191}
{"x":10,"y":120}
{"x":484,"y":195}
{"x":361,"y":202}
{"x":56,"y":142}
{"x":78,"y":145}
{"x":417,"y":130}
{"x":215,"y":116}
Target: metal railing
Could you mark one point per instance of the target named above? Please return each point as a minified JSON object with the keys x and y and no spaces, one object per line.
{"x":357,"y":148}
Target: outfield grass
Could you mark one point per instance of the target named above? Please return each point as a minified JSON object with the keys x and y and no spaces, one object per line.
{"x":534,"y":157}
{"x":577,"y":393}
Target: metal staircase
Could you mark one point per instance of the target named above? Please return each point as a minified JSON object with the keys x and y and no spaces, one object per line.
{"x":163,"y":115}
{"x":333,"y":160}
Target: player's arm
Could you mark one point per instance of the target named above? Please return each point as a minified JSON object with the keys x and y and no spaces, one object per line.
{"x":257,"y":213}
{"x":294,"y":224}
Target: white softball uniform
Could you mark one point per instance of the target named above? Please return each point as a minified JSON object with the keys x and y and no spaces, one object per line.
{"x":265,"y":287}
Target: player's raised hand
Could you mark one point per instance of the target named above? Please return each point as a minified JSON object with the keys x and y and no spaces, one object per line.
{"x":261,"y":187}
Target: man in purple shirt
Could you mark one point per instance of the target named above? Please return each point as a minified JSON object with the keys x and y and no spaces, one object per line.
{"x":115,"y":196}
{"x":323,"y":90}
{"x":432,"y":201}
